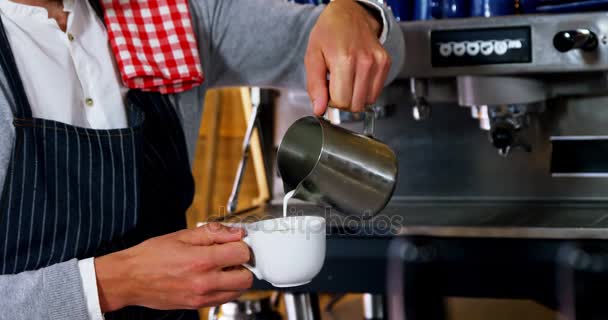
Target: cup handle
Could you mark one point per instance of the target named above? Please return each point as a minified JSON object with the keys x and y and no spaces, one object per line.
{"x":249,"y":267}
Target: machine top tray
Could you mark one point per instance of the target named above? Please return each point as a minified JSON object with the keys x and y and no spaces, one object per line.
{"x":513,"y":45}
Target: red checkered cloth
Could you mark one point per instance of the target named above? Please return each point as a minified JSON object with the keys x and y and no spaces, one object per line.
{"x":154,"y":44}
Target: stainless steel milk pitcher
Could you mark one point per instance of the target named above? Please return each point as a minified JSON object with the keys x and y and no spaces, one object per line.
{"x":332,"y":166}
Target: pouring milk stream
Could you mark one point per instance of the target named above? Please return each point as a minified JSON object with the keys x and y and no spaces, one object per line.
{"x":286,"y":201}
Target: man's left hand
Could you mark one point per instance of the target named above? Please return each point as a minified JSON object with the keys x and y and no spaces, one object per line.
{"x":344,"y":44}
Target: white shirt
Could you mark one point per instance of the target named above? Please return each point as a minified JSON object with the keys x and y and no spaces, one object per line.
{"x":51,"y":62}
{"x":68,"y":79}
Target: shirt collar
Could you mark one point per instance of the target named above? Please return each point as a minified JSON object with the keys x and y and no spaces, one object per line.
{"x":14,"y":9}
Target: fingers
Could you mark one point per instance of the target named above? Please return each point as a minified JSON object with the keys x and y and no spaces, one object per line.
{"x":357,"y":79}
{"x":382,"y":67}
{"x":210,"y":299}
{"x":221,"y":297}
{"x":212,"y":233}
{"x":229,"y":254}
{"x":238,"y":279}
{"x":316,"y":80}
{"x":219,"y":287}
{"x":341,"y":81}
{"x":363,"y":81}
{"x":219,"y":256}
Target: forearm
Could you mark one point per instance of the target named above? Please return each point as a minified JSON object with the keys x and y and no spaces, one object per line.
{"x":254,"y":42}
{"x":54,"y":292}
{"x":266,"y":52}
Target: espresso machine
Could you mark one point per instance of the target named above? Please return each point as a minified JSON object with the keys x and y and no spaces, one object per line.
{"x":534,"y":85}
{"x":503,"y":161}
{"x":506,"y":69}
{"x":500,"y":126}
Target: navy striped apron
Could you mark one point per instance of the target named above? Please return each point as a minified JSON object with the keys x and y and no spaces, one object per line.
{"x":73,"y":192}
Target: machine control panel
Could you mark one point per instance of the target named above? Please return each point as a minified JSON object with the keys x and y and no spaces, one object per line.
{"x":469,"y":47}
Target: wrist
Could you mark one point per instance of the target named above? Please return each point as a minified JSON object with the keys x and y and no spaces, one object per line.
{"x":113,"y":281}
{"x":374,"y":18}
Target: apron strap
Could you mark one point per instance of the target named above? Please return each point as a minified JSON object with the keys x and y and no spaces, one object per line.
{"x":21,"y":108}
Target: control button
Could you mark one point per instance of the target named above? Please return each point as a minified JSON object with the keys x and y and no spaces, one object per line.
{"x":583,"y":39}
{"x":445,"y":49}
{"x":473,"y":48}
{"x":70,"y":36}
{"x":487,"y":48}
{"x":89,"y":102}
{"x":460,"y":49}
{"x":500,"y":47}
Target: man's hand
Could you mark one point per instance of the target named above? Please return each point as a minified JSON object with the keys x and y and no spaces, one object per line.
{"x":188,"y":269}
{"x":344,"y":43}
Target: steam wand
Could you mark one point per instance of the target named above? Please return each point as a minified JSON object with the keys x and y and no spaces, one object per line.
{"x":236,"y":187}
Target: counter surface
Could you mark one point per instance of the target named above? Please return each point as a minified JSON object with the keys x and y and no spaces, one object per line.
{"x":494,"y":249}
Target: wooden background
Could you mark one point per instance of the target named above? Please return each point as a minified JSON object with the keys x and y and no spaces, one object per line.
{"x":213,"y":185}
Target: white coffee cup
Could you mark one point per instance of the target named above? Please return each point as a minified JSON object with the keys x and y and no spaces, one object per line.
{"x":287,"y":252}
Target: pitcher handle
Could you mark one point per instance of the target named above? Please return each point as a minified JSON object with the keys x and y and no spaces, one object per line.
{"x":369,"y":122}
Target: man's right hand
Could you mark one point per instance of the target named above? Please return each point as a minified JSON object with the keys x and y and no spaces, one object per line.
{"x":188,"y":269}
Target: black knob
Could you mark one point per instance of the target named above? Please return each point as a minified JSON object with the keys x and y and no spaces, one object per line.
{"x":583,"y":39}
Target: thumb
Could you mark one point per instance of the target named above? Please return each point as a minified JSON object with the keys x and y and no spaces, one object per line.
{"x":316,"y":80}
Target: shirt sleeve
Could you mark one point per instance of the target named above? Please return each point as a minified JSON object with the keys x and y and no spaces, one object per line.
{"x":263,"y":42}
{"x":378,"y":6}
{"x":53,"y":292}
{"x":88,"y":279}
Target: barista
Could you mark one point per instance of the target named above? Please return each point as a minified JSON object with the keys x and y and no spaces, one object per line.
{"x":95,"y":178}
